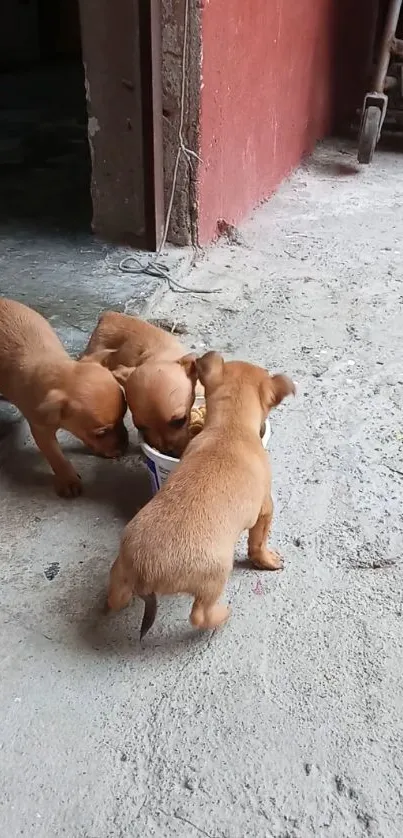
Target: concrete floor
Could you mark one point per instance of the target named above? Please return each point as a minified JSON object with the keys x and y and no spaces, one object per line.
{"x":289,"y":722}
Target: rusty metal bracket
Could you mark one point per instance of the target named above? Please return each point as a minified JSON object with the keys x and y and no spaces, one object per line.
{"x":377,"y":100}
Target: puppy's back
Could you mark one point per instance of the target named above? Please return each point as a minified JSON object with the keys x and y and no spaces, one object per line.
{"x":23,"y":332}
{"x":132,"y":339}
{"x":195,"y":519}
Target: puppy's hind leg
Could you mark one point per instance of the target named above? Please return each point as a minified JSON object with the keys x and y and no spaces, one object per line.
{"x":207,"y":612}
{"x":120,"y":592}
{"x":258,"y":551}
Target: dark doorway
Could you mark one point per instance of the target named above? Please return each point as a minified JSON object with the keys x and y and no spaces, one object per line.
{"x":45,"y":166}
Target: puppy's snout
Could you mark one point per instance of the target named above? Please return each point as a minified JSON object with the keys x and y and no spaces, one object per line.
{"x":164,"y":447}
{"x":114,"y":443}
{"x":176,"y":447}
{"x":167,"y":441}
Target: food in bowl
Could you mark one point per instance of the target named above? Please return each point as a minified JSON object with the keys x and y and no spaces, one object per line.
{"x":197,"y":420}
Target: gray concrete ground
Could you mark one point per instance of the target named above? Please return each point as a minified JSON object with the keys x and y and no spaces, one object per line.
{"x":288,"y":723}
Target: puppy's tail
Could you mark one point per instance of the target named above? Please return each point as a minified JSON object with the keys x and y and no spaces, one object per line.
{"x":150,"y":611}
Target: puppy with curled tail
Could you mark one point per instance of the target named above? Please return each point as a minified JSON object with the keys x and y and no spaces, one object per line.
{"x":183,"y":540}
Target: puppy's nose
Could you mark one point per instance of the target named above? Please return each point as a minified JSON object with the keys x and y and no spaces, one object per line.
{"x":118,"y":444}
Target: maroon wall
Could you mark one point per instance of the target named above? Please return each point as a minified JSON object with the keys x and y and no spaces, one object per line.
{"x":270,"y":81}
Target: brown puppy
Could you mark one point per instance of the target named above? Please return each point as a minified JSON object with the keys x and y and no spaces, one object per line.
{"x":159,"y":380}
{"x":183,"y":540}
{"x":52,"y":391}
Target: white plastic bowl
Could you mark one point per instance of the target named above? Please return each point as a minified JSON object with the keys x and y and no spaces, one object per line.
{"x":159,"y":465}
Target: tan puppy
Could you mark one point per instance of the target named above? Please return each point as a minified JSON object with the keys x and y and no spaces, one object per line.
{"x":52,"y":391}
{"x":183,"y":540}
{"x":159,"y":380}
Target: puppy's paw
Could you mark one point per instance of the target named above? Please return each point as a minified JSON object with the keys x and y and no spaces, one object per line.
{"x":218,"y":616}
{"x":209,"y":618}
{"x":268,"y":560}
{"x":68,"y":486}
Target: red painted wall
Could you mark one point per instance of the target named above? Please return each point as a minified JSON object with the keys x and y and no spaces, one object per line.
{"x":269,"y":83}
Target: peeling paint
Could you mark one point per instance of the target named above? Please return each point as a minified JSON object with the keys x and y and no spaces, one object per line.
{"x":87,"y":85}
{"x":93,"y":126}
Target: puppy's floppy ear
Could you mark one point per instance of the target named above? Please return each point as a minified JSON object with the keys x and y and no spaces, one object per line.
{"x":122,"y":373}
{"x":210,"y":369}
{"x":188,"y":362}
{"x":101,"y":356}
{"x":273,"y":389}
{"x":52,"y":409}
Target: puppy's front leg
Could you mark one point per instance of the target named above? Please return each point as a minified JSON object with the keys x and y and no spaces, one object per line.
{"x":258,"y":552}
{"x":67,"y":481}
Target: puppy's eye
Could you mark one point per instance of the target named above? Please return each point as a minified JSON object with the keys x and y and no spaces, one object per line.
{"x":141,"y":429}
{"x":178,"y":423}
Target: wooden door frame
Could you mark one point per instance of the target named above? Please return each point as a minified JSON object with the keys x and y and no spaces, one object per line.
{"x":151,"y":86}
{"x":124,"y":98}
